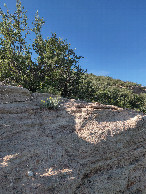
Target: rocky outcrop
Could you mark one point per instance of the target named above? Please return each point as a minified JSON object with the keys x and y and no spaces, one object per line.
{"x":10,"y":94}
{"x":138,"y":90}
{"x":81,"y":148}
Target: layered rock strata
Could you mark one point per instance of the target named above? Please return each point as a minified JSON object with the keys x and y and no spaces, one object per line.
{"x":81,"y":148}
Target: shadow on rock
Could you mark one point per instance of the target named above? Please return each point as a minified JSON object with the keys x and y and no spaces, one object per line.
{"x":61,"y":151}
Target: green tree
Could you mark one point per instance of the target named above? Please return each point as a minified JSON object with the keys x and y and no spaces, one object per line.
{"x":15,"y":55}
{"x":56,"y":66}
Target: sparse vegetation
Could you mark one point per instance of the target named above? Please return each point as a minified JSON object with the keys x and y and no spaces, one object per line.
{"x":50,"y":103}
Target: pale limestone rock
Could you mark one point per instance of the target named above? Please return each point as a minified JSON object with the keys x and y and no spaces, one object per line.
{"x":10,"y":94}
{"x":81,"y":148}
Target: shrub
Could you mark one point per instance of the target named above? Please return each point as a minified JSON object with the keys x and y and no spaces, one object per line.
{"x":51,"y":103}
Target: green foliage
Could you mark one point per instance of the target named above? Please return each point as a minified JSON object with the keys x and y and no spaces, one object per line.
{"x":14,"y":54}
{"x":116,"y":92}
{"x":49,"y":89}
{"x":59,"y":65}
{"x":51,"y":103}
{"x":56,"y":69}
{"x":56,"y":65}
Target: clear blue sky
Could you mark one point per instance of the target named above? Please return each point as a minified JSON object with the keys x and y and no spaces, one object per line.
{"x":109,"y":34}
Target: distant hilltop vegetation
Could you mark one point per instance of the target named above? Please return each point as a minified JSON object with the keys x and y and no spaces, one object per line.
{"x":106,"y":80}
{"x":117,"y":92}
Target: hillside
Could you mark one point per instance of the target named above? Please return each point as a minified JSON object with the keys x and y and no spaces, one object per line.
{"x":116,"y":92}
{"x":109,"y":81}
{"x":79,"y":148}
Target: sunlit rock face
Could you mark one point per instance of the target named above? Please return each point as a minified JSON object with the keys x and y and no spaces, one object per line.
{"x":81,"y":148}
